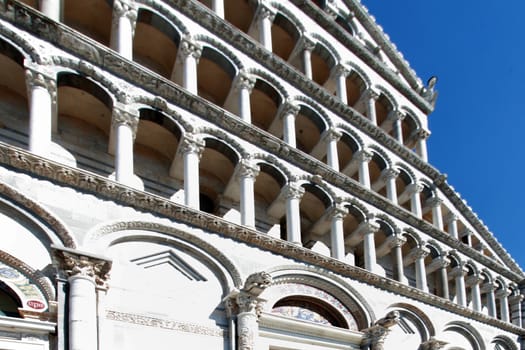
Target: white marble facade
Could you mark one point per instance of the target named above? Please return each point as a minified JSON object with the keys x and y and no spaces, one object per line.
{"x":231,"y":174}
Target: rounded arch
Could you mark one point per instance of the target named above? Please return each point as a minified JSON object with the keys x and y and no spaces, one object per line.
{"x":385,"y":158}
{"x":359,"y":210}
{"x":224,"y":51}
{"x":334,"y":55}
{"x":271,"y":160}
{"x":388,"y":95}
{"x":419,"y":318}
{"x":410,"y":175}
{"x":487,"y":275}
{"x":10,"y":270}
{"x":305,"y":101}
{"x":25,"y":48}
{"x":238,"y":150}
{"x":415,"y":236}
{"x":352,"y":134}
{"x":505,"y":342}
{"x":289,"y":15}
{"x":387,"y":225}
{"x":455,"y":258}
{"x":158,"y":103}
{"x":50,"y":221}
{"x":435,"y":249}
{"x":270,"y":80}
{"x":466,"y":330}
{"x":160,"y":8}
{"x":340,"y":291}
{"x":360,"y":72}
{"x":102,"y":236}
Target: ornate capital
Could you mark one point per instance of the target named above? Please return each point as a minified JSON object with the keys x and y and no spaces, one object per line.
{"x":288,"y":108}
{"x":338,"y":211}
{"x":390,"y":173}
{"x":370,"y":226}
{"x":364,"y":156}
{"x":122,"y":116}
{"x":293,"y":191}
{"x":502,"y":293}
{"x":421,"y":252}
{"x":371,"y":94}
{"x":75,"y":263}
{"x":433,"y":344}
{"x":189,"y":47}
{"x":263,"y":11}
{"x":245,"y":81}
{"x":396,"y":241}
{"x":191,"y":144}
{"x":123,"y":8}
{"x":375,"y":335}
{"x":341,"y":70}
{"x":414,"y":188}
{"x":516,"y":299}
{"x":434,"y":201}
{"x":488,"y":287}
{"x":332,"y":135}
{"x":474,"y":279}
{"x":458,"y":271}
{"x":396,"y":115}
{"x":451,"y":217}
{"x":307,"y":42}
{"x":246,"y":168}
{"x":35,"y":79}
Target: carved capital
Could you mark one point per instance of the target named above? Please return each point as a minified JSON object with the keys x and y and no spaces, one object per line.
{"x":191,"y":144}
{"x":458,"y":271}
{"x":516,"y":299}
{"x":246,"y":168}
{"x":389,"y":173}
{"x":364,"y":156}
{"x":421,"y":252}
{"x":263,"y":11}
{"x":246,"y":302}
{"x":370,"y":226}
{"x":434,"y":201}
{"x":338,"y":211}
{"x":36,"y":79}
{"x":293,"y":191}
{"x":122,"y":116}
{"x":288,"y":108}
{"x":433,"y":344}
{"x":371,"y":94}
{"x":414,"y":188}
{"x":488,"y":287}
{"x":307,"y":42}
{"x":244,"y":81}
{"x":502,"y":293}
{"x":474,"y":279}
{"x":189,"y":47}
{"x":341,"y":70}
{"x":331,"y":135}
{"x":75,"y":263}
{"x":375,"y":335}
{"x":123,"y":8}
{"x":396,"y":241}
{"x":396,"y":115}
{"x":451,"y":217}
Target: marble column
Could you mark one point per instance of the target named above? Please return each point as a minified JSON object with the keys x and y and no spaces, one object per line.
{"x":364,"y":157}
{"x":421,"y":144}
{"x":331,"y":137}
{"x":244,"y":85}
{"x":474,"y":281}
{"x":369,"y":246}
{"x":288,"y":112}
{"x":293,"y":194}
{"x":85,"y":273}
{"x":189,"y":53}
{"x":51,"y":8}
{"x":264,"y":18}
{"x":246,"y":305}
{"x":247,"y":172}
{"x":123,"y":26}
{"x":218,"y":7}
{"x":489,"y":288}
{"x":459,"y":273}
{"x":397,"y":246}
{"x":390,"y":175}
{"x":415,"y":199}
{"x":444,"y":279}
{"x":421,"y":274}
{"x":337,"y":239}
{"x":396,"y":118}
{"x":308,"y":46}
{"x":191,"y":148}
{"x":124,"y":124}
{"x":41,"y":91}
{"x":437,"y":214}
{"x":502,"y":295}
{"x":371,"y":98}
{"x":340,"y":74}
{"x":515,"y":309}
{"x":452,"y":223}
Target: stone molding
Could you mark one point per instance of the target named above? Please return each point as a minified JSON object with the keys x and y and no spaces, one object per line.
{"x":147,"y":321}
{"x":56,"y":33}
{"x":108,"y":189}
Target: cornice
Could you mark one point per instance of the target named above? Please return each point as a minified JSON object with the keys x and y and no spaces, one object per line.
{"x":69,"y":40}
{"x":104,"y":188}
{"x":410,"y":92}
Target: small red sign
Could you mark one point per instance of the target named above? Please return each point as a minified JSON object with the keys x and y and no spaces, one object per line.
{"x":35,"y":304}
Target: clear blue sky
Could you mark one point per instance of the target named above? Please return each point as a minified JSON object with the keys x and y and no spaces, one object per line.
{"x":477,"y":51}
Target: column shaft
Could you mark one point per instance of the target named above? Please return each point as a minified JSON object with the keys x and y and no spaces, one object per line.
{"x":293,"y":220}
{"x":289,"y":129}
{"x":82,"y":313}
{"x":398,"y":253}
{"x":476,"y":297}
{"x":51,"y":8}
{"x":332,"y":156}
{"x":307,"y":63}
{"x":444,"y":282}
{"x":437,"y":215}
{"x":460,"y":289}
{"x":504,"y":308}
{"x":218,"y":7}
{"x":371,"y":109}
{"x":341,"y":88}
{"x":244,"y":104}
{"x":369,"y":251}
{"x":124,"y":154}
{"x":189,"y":74}
{"x":337,"y":238}
{"x":191,"y":180}
{"x":40,"y":120}
{"x":421,"y":275}
{"x":265,"y":31}
{"x":491,"y":303}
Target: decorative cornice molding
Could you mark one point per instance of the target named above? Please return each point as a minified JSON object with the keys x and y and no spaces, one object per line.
{"x":105,"y":188}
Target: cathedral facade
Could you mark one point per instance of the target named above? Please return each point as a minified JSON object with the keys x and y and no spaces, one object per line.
{"x":231,"y":174}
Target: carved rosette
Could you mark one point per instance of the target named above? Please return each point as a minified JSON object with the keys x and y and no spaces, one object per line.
{"x":189,"y":47}
{"x":77,"y":264}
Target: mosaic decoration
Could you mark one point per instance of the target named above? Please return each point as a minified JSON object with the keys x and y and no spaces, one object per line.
{"x":14,"y":279}
{"x":301,"y":313}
